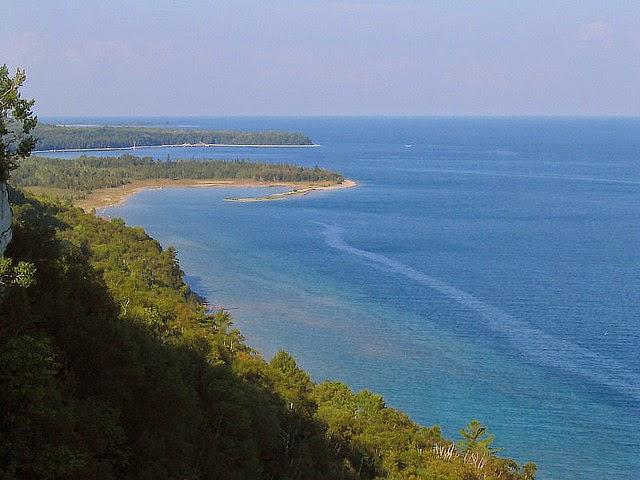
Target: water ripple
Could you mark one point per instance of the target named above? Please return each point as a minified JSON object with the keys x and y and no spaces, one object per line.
{"x":537,"y":345}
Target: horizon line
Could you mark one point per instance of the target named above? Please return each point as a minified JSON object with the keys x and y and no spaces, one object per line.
{"x":498,"y":116}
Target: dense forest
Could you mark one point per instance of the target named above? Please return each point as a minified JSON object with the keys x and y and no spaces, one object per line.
{"x":111,"y":368}
{"x":89,"y":173}
{"x":58,"y":137}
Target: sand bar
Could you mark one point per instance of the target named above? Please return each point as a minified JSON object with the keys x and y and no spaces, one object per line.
{"x":108,"y":197}
{"x":294,"y":192}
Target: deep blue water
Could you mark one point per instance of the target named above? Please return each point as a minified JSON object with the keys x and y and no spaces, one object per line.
{"x":490,"y":270}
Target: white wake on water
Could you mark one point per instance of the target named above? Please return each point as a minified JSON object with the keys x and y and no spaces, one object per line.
{"x":537,"y":345}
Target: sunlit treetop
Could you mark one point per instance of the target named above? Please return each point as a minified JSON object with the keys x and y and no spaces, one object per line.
{"x":16,"y":121}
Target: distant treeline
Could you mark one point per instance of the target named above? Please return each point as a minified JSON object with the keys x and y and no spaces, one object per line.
{"x":90,"y":173}
{"x":54,"y":137}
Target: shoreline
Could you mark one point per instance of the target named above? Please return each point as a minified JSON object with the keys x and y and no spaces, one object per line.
{"x":183,"y":145}
{"x":112,"y":196}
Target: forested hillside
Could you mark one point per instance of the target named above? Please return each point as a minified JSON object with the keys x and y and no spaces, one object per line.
{"x":110,"y":368}
{"x":89,"y":173}
{"x":56,"y":137}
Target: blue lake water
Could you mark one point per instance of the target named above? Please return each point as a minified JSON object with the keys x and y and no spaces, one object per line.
{"x":484,"y":268}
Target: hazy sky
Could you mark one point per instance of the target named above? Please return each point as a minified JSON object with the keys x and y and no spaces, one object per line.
{"x":300,"y":57}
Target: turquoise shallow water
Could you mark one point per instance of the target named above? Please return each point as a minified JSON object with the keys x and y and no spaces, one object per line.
{"x":489,"y":270}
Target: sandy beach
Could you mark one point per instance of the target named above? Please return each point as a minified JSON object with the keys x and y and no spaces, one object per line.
{"x":107,"y":197}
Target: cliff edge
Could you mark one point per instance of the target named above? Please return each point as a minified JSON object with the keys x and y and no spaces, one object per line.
{"x":5,"y":218}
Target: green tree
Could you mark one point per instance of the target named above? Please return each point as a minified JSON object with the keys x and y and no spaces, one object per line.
{"x":529,"y":470}
{"x":16,"y":122}
{"x":21,"y":275}
{"x":476,"y":438}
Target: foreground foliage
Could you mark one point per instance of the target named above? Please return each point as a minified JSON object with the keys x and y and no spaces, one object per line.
{"x":111,"y":368}
{"x":17,"y":122}
{"x":58,"y":137}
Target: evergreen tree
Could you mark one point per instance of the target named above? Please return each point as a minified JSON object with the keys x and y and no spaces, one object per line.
{"x":16,"y":122}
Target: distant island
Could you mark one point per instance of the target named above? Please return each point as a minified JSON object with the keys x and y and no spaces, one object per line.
{"x":63,"y":137}
{"x":96,"y":182}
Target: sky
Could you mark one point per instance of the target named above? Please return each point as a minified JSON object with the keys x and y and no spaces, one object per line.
{"x":304,"y":57}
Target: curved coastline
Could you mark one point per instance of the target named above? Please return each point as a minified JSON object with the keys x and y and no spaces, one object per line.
{"x":109,"y":197}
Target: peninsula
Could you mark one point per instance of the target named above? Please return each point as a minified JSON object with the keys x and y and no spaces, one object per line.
{"x":98,"y":182}
{"x":92,"y":138}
